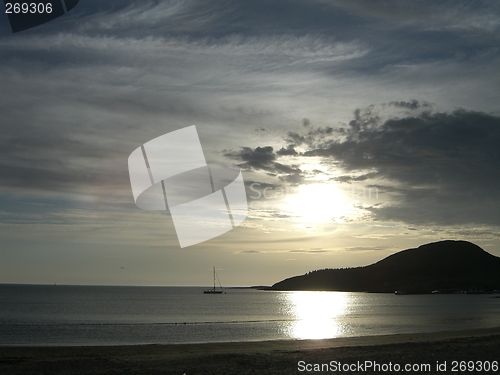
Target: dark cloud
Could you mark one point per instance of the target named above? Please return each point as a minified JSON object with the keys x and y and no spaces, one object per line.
{"x":258,"y":158}
{"x":263,"y":158}
{"x":295,"y":139}
{"x":445,"y":165}
{"x":412,"y":104}
{"x":349,"y":178}
{"x":289,"y":151}
{"x":314,"y":137}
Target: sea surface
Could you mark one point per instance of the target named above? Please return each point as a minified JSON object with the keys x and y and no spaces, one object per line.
{"x":40,"y":315}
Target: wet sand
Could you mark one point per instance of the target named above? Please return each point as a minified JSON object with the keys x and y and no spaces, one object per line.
{"x":270,"y":357}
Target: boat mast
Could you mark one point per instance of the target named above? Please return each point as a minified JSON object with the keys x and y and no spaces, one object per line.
{"x":214,"y":277}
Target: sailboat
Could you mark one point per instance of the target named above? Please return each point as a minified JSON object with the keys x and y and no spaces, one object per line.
{"x":214,"y":291}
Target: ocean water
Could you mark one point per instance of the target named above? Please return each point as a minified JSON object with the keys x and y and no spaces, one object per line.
{"x":39,"y":315}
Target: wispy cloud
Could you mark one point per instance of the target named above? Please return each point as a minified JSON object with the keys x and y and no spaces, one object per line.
{"x":284,"y":89}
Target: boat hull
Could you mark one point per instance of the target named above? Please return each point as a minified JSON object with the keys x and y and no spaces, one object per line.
{"x":211,"y":291}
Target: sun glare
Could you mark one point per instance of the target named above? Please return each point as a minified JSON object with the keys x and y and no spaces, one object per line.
{"x":316,"y":314}
{"x":318,"y":203}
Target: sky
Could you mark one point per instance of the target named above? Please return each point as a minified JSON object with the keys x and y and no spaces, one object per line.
{"x":361,"y":129}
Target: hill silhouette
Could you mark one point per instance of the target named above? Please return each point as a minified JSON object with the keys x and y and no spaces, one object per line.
{"x":446,"y":266}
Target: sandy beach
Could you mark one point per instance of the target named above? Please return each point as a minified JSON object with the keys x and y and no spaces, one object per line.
{"x":421,"y":351}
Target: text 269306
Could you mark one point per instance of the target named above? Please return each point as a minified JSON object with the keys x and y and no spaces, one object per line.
{"x":471,"y":366}
{"x":27,"y":7}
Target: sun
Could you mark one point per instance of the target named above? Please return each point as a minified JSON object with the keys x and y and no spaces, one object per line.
{"x":318,"y":203}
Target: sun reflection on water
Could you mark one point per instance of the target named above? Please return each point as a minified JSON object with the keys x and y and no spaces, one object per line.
{"x":316,"y":314}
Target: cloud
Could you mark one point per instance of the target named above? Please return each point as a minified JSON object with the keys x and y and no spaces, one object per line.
{"x":445,"y":15}
{"x":444,"y":166}
{"x":412,"y":104}
{"x":79,"y":94}
{"x":310,"y":251}
{"x":351,"y":178}
{"x":99,"y":104}
{"x":433,"y":168}
{"x":367,"y":248}
{"x":315,"y":137}
{"x":263,"y":159}
{"x":289,"y":151}
{"x":258,"y":158}
{"x":83,"y":91}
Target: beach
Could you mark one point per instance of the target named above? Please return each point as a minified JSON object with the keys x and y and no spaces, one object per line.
{"x":352,"y":355}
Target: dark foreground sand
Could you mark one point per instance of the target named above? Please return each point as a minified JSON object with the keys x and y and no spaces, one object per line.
{"x":273,"y":357}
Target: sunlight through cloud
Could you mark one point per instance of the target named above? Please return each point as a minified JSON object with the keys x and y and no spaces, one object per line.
{"x":319,"y":203}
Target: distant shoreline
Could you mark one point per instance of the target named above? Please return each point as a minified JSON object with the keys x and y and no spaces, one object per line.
{"x":444,"y":267}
